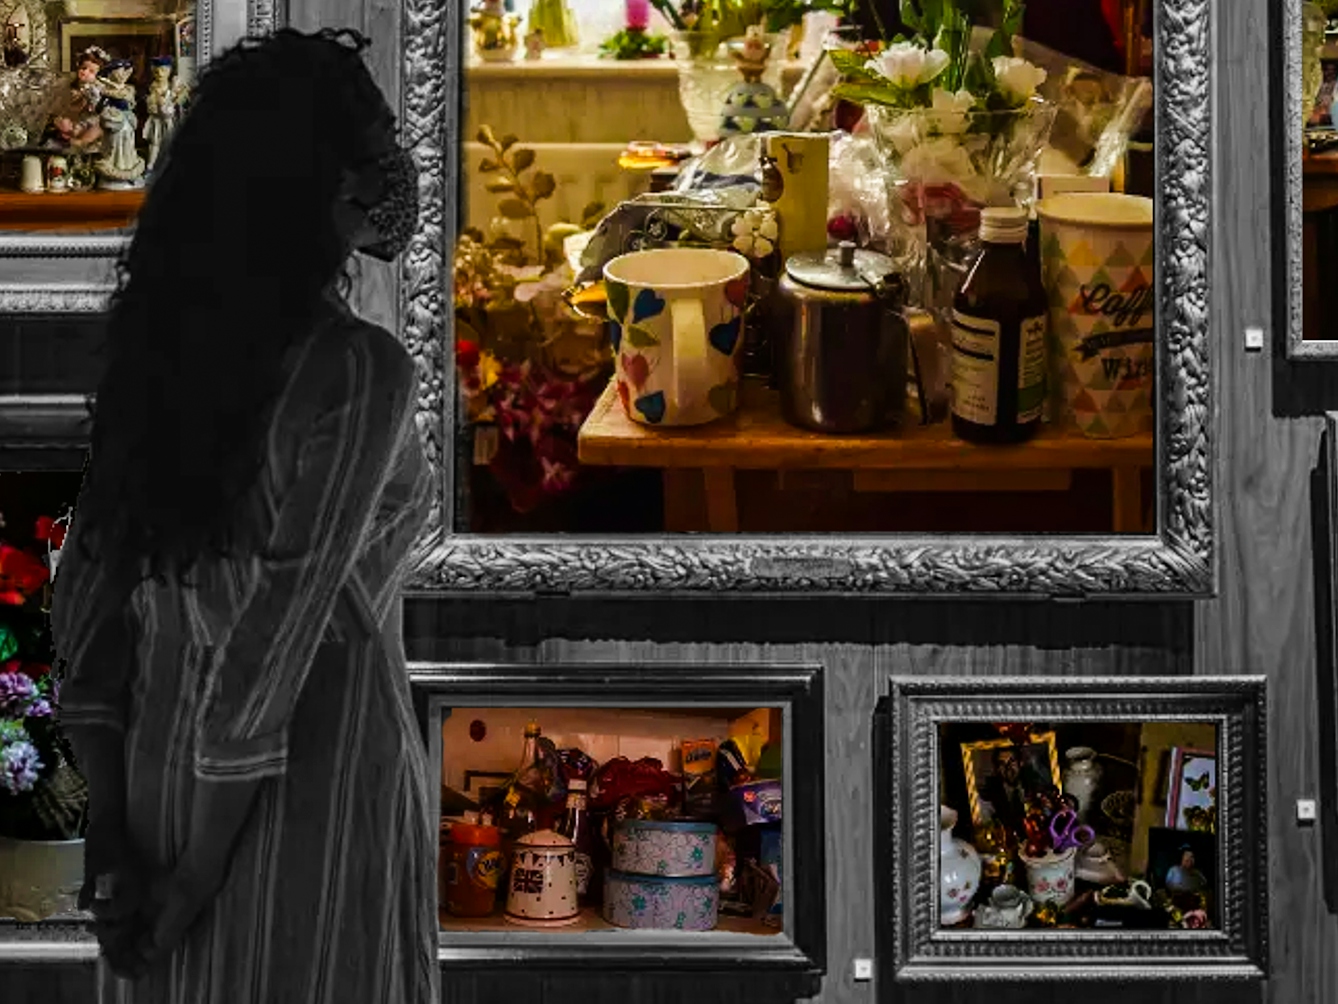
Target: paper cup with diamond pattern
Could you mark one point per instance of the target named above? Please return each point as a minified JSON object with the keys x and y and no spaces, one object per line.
{"x":1097,"y":251}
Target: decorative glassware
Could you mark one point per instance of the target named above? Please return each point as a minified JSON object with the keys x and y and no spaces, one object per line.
{"x":942,"y":168}
{"x":28,"y":97}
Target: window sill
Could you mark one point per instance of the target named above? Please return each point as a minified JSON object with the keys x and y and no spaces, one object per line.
{"x":568,"y":66}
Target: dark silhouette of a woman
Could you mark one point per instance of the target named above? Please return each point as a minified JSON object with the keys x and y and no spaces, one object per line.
{"x":233,"y":679}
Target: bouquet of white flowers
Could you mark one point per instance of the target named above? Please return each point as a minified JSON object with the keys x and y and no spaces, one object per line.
{"x":960,"y":125}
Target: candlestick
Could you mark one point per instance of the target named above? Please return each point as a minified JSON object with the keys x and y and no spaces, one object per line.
{"x":638,"y":14}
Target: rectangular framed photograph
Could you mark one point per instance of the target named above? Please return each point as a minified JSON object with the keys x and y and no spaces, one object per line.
{"x":1192,"y":797}
{"x":1002,"y":775}
{"x":672,"y":860}
{"x":1084,"y":886}
{"x":648,"y":486}
{"x":138,"y":41}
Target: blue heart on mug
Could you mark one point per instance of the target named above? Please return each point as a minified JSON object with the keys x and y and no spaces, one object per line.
{"x":615,"y":335}
{"x":652,"y":406}
{"x":646,"y":304}
{"x":725,"y":336}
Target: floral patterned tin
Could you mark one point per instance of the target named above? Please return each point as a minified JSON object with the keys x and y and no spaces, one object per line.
{"x":661,"y":847}
{"x":649,"y":902}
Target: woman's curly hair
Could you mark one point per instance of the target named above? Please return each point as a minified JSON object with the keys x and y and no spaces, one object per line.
{"x":233,"y":252}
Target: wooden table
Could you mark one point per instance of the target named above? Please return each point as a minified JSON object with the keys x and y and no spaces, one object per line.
{"x":918,"y":459}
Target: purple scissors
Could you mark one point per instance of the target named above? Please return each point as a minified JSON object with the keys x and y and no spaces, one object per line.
{"x":1066,"y":832}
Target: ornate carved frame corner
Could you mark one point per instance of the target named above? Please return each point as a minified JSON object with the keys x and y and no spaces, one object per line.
{"x":1179,"y":560}
{"x":907,"y":825}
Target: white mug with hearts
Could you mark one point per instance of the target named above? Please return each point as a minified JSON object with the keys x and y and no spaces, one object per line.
{"x":677,"y":323}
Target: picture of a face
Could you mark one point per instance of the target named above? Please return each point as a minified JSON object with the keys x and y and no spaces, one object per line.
{"x":1006,"y":763}
{"x":88,"y":71}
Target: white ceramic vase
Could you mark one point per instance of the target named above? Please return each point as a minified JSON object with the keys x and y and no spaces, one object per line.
{"x":959,"y":872}
{"x":1082,"y":777}
{"x":40,"y":878}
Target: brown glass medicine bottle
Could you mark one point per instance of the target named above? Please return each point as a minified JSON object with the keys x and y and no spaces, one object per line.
{"x":998,"y":337}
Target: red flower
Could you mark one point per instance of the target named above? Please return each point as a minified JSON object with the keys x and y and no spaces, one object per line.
{"x":466,"y":354}
{"x":51,"y":531}
{"x":21,"y":575}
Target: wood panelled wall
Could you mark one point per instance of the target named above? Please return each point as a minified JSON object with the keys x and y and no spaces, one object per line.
{"x":1262,"y":621}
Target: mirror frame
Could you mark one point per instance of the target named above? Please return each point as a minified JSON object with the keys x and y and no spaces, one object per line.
{"x":1177,"y":560}
{"x":1293,"y":197}
{"x":49,"y":273}
{"x":911,"y":945}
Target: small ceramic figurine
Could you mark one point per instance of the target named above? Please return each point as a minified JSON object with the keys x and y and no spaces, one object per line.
{"x":77,"y":126}
{"x":121,"y":165}
{"x":164,"y":97}
{"x":495,"y":36}
{"x":752,"y":106}
{"x":534,"y":44}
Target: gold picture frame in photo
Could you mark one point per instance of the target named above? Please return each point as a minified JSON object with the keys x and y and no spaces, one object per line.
{"x":122,"y":39}
{"x":1040,"y":752}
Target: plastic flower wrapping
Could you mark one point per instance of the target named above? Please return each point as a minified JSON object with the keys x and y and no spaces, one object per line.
{"x":42,"y":797}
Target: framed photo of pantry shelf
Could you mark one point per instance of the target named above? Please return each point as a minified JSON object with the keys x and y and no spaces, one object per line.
{"x":1305,"y":239}
{"x":650,"y":816}
{"x":1086,"y":873}
{"x":78,"y":86}
{"x":554,"y":479}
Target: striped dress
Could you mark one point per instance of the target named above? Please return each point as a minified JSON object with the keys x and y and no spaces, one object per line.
{"x":289,"y":667}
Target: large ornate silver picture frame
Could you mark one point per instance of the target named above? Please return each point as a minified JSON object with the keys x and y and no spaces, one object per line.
{"x":1177,"y":560}
{"x":907,"y":826}
{"x":43,"y":273}
{"x":1291,"y":234}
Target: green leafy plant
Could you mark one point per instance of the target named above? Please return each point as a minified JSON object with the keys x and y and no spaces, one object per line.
{"x":521,"y":197}
{"x":939,"y":57}
{"x":707,"y":23}
{"x":632,"y":43}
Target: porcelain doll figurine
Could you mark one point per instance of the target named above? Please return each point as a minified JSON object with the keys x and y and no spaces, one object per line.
{"x":164,"y":99}
{"x":77,"y":126}
{"x":121,"y":165}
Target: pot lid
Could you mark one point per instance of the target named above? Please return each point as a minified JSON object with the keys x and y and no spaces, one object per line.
{"x":544,"y":838}
{"x":845,"y":268}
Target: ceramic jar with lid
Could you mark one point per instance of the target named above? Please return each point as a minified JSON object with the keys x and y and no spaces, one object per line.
{"x":541,"y":891}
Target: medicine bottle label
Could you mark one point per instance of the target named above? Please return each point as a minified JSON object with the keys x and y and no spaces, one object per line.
{"x":1031,"y":370}
{"x":975,"y":368}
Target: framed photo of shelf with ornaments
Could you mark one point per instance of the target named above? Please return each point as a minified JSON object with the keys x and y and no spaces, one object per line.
{"x":1072,"y":829}
{"x":625,"y":816}
{"x":751,"y":364}
{"x":89,"y":96}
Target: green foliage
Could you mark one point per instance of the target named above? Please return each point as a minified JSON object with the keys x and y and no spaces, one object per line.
{"x":629,"y":44}
{"x":522,"y":195}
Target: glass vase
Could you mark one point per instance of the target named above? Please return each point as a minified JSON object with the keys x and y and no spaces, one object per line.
{"x":942,"y":168}
{"x":706,"y":74}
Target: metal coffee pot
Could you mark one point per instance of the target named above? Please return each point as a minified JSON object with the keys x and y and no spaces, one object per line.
{"x":843,"y":340}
